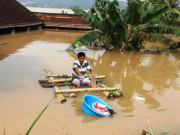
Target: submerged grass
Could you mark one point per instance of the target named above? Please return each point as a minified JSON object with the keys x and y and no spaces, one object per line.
{"x":152,"y":132}
{"x":65,"y":130}
{"x":4,"y":131}
{"x":29,"y":130}
{"x":36,"y":120}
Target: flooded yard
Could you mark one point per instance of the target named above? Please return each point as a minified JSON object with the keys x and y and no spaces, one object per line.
{"x":22,"y":59}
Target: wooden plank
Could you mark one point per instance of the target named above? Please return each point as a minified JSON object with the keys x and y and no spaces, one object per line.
{"x":93,"y":80}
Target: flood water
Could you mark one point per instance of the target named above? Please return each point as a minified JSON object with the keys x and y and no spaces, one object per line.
{"x":22,"y":59}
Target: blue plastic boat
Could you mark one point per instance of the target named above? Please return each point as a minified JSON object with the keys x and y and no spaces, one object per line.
{"x":88,"y":100}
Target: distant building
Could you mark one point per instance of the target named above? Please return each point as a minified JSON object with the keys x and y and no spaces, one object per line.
{"x":13,"y":14}
{"x":60,"y":18}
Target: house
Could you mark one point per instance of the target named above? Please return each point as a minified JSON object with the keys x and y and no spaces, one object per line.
{"x":13,"y":15}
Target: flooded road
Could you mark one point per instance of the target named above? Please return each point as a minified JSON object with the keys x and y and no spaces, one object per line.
{"x":22,"y":59}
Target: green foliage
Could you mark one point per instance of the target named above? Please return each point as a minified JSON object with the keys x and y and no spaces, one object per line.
{"x":127,"y":29}
{"x":162,"y":29}
{"x":153,"y":12}
{"x":153,"y":37}
{"x":164,"y":133}
{"x":170,"y":3}
{"x":133,"y":14}
{"x":169,"y":18}
{"x":62,"y":12}
{"x":102,"y":16}
{"x":86,"y":38}
{"x":146,"y":133}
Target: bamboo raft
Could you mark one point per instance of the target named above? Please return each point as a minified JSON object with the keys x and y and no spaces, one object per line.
{"x":56,"y":81}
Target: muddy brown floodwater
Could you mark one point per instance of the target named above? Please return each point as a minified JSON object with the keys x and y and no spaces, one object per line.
{"x":22,"y":59}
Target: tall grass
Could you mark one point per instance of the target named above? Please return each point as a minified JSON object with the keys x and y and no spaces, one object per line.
{"x":152,"y":132}
{"x":36,"y":120}
{"x":4,"y":131}
{"x":65,"y":130}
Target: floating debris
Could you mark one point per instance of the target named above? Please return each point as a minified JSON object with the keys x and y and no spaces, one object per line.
{"x":1,"y":43}
{"x":140,"y":98}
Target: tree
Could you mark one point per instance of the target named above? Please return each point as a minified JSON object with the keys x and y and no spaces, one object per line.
{"x":103,"y":17}
{"x":127,"y":29}
{"x":148,"y":21}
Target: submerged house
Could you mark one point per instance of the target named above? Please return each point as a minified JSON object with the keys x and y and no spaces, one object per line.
{"x":13,"y":15}
{"x":60,"y":18}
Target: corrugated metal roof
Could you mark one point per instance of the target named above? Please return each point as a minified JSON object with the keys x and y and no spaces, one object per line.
{"x":13,"y":14}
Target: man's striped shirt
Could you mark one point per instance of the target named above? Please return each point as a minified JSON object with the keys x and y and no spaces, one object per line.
{"x":82,"y":68}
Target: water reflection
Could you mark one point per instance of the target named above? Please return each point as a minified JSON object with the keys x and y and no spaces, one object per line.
{"x":13,"y":42}
{"x":137,"y":74}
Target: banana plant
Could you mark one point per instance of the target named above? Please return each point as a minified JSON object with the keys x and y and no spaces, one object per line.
{"x":129,"y":28}
{"x":104,"y":16}
{"x":145,"y":23}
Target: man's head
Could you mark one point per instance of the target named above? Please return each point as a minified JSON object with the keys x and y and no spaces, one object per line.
{"x":81,"y":57}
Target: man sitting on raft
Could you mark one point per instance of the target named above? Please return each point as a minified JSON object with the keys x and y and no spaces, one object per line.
{"x":79,"y":69}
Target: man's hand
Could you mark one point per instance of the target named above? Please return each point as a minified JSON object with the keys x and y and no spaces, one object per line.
{"x":81,"y":75}
{"x":92,"y":69}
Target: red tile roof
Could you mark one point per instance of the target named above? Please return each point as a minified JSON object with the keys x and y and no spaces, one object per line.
{"x":63,"y":21}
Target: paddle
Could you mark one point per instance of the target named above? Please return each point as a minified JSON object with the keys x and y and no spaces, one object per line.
{"x":93,"y":80}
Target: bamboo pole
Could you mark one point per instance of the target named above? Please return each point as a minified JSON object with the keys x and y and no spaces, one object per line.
{"x":106,"y":93}
{"x":86,"y":89}
{"x":49,"y":85}
{"x":93,"y":80}
{"x":71,"y":94}
{"x":65,"y":79}
{"x":60,"y":96}
{"x":44,"y":84}
{"x":115,"y":93}
{"x":67,"y":76}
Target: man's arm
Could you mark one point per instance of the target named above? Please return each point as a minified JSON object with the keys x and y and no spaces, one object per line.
{"x":78,"y":72}
{"x":91,"y":69}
